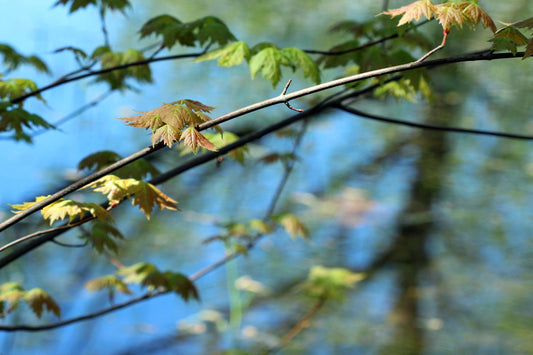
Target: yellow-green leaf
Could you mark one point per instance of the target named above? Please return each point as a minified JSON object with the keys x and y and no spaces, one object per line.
{"x":110,"y":282}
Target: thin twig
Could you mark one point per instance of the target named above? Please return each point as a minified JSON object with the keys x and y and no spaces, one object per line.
{"x":287,"y":102}
{"x":439,"y":47}
{"x":485,"y":55}
{"x":431,"y":127}
{"x":102,"y":71}
{"x":298,"y":327}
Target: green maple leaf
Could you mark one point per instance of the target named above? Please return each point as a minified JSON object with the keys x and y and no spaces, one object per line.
{"x":99,"y":160}
{"x":182,"y":285}
{"x":110,"y":282}
{"x":101,"y":237}
{"x":13,"y":59}
{"x":269,"y":60}
{"x":18,"y":120}
{"x":211,"y":29}
{"x":39,"y":300}
{"x":171,"y":29}
{"x":301,"y":60}
{"x":145,"y":195}
{"x":229,"y":55}
{"x":145,"y":274}
{"x":76,"y":5}
{"x":15,"y":87}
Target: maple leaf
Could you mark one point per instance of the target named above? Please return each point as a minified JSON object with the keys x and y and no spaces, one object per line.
{"x":110,"y":282}
{"x":66,"y":208}
{"x":229,"y":55}
{"x":63,"y":208}
{"x":98,"y":160}
{"x":194,"y":139}
{"x":449,"y":14}
{"x":474,"y":14}
{"x":211,"y":29}
{"x":80,"y":4}
{"x":114,"y":187}
{"x":269,"y":61}
{"x":13,"y":59}
{"x":145,"y":274}
{"x":27,"y":205}
{"x":303,"y":61}
{"x":167,"y":134}
{"x":195,"y":105}
{"x":181,"y":284}
{"x":145,"y":195}
{"x":38,"y":300}
{"x":167,"y":121}
{"x":101,"y":237}
{"x":413,"y":11}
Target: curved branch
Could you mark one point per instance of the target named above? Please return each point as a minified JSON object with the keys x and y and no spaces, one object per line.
{"x":102,"y":71}
{"x":484,"y":55}
{"x":431,"y":127}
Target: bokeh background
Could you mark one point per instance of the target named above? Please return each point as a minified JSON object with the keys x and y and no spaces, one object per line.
{"x":443,"y":220}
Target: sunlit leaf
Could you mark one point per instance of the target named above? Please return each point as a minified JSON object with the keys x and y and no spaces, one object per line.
{"x":143,"y":194}
{"x":63,"y":208}
{"x":110,"y":282}
{"x":194,"y":140}
{"x":413,"y":12}
{"x":229,"y":55}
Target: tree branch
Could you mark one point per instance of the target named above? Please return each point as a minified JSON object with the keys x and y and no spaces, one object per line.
{"x":483,"y":55}
{"x":431,"y":127}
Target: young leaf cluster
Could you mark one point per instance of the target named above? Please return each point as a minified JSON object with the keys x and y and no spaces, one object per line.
{"x":12,"y":294}
{"x":205,"y":31}
{"x":350,"y":56}
{"x":175,"y":122}
{"x":265,"y":57}
{"x":448,"y":14}
{"x":145,"y":275}
{"x":117,"y":78}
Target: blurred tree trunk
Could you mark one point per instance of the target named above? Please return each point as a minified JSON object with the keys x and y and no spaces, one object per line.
{"x":410,"y":257}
